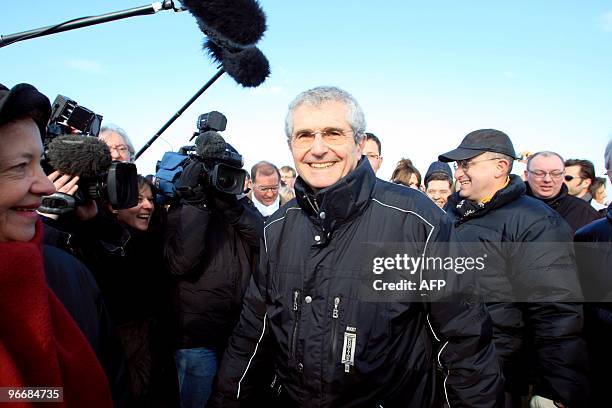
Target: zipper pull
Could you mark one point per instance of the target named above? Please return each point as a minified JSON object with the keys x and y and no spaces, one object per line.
{"x":348,"y":349}
{"x":335,"y":311}
{"x":296,"y":295}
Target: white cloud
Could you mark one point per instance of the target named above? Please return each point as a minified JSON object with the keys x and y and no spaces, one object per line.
{"x":606,"y":21}
{"x":89,"y":66}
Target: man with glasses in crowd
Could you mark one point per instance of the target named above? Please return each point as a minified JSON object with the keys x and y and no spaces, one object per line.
{"x":288,"y":176}
{"x":305,"y":311}
{"x":265,"y":181}
{"x":373,"y":151}
{"x":118,"y":142}
{"x":529,"y":276}
{"x":544,"y":180}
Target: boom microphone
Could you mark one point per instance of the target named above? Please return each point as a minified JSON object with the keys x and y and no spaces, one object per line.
{"x":210,"y":145}
{"x":232,"y":24}
{"x":83,"y":156}
{"x":249,"y":67}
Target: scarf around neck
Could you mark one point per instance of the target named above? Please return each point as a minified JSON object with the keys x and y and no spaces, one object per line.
{"x":40,"y":343}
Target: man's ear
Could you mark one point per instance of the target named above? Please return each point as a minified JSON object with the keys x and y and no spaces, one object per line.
{"x":362,"y":143}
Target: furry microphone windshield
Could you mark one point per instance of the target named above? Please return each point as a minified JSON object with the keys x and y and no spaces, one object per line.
{"x":230,"y":23}
{"x":83,"y":156}
{"x":249,"y":67}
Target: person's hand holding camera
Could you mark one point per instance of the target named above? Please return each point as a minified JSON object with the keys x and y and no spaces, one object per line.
{"x":189,"y":185}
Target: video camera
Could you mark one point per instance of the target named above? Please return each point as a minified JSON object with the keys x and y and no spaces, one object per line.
{"x":72,"y":147}
{"x":222,"y":163}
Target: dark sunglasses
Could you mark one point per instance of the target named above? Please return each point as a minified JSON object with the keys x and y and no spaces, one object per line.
{"x":570,"y":178}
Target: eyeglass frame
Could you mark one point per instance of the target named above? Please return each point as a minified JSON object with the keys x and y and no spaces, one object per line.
{"x":322,"y":133}
{"x":466,"y":164}
{"x":119,"y":148}
{"x":547,"y":173}
{"x":373,"y":156}
{"x":265,"y":189}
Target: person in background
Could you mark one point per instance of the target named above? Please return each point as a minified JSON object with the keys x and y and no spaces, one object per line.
{"x":265,"y":183}
{"x":544,"y":181}
{"x":439,"y":182}
{"x":598,"y":191}
{"x":579,"y":175}
{"x":373,"y":150}
{"x":288,"y":176}
{"x":118,"y":142}
{"x":530,"y":279}
{"x":593,"y":244}
{"x":406,"y":173}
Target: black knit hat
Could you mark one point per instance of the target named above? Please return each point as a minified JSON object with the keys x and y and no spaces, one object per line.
{"x":23,"y":100}
{"x":480,"y":141}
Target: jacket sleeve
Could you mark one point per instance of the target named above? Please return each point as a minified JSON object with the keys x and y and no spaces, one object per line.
{"x":249,"y":224}
{"x":248,"y":354}
{"x":185,"y":242}
{"x":547,"y":273}
{"x":463,"y":333}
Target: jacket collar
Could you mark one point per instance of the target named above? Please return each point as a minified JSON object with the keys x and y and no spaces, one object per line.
{"x":513,"y":190}
{"x":340,"y":202}
{"x":552,"y":201}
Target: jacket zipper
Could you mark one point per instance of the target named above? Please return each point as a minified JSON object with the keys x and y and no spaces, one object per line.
{"x":334,"y":328}
{"x":296,"y":315}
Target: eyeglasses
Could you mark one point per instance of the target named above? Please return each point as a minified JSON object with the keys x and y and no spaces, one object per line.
{"x":373,"y":156}
{"x":466,"y":164}
{"x":554,"y":174}
{"x":332,"y":137}
{"x":570,"y":178}
{"x":119,"y":148}
{"x":265,"y":189}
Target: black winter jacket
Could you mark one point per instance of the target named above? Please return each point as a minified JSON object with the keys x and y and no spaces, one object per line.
{"x":212,"y":254}
{"x":574,"y":210}
{"x":306,"y":310}
{"x":75,"y":287}
{"x":594,"y":258}
{"x":530,"y":259}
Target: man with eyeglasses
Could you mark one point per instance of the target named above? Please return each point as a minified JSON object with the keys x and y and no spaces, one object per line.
{"x":373,"y":150}
{"x":305,"y":310}
{"x":118,"y":142}
{"x":530,"y":274}
{"x":544,"y":181}
{"x":265,"y":182}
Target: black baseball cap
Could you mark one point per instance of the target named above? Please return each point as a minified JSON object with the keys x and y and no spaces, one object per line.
{"x":24,"y":100}
{"x":480,"y":141}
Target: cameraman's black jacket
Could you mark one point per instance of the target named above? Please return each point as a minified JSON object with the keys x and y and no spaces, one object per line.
{"x":531,"y":259}
{"x":305,"y":304}
{"x":212,"y":254}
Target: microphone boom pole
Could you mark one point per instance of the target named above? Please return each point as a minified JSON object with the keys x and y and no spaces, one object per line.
{"x":87,"y":21}
{"x":220,"y":72}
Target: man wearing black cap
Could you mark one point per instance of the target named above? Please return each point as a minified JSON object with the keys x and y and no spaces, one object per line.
{"x":438,"y":183}
{"x":529,"y":275}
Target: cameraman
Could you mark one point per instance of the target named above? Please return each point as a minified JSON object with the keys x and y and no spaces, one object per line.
{"x":212,"y":241}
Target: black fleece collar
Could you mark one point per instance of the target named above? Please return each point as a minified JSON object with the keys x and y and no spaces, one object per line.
{"x":466,"y":209}
{"x":340,"y":202}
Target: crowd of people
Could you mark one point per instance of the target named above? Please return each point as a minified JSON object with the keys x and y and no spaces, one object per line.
{"x":266,"y":298}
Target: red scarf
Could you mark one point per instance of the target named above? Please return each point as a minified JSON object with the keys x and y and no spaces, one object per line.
{"x":40,"y":343}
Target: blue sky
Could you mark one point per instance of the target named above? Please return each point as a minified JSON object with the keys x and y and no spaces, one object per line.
{"x":426,"y":73}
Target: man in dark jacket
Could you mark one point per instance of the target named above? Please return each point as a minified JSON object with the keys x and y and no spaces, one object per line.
{"x":594,"y":257}
{"x":308,"y":309}
{"x":211,"y":244}
{"x":544,"y":179}
{"x":530,"y":271}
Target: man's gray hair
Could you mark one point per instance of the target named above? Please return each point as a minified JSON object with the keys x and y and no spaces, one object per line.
{"x":608,"y":156}
{"x":114,"y":128}
{"x":316,"y":96}
{"x":544,"y":153}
